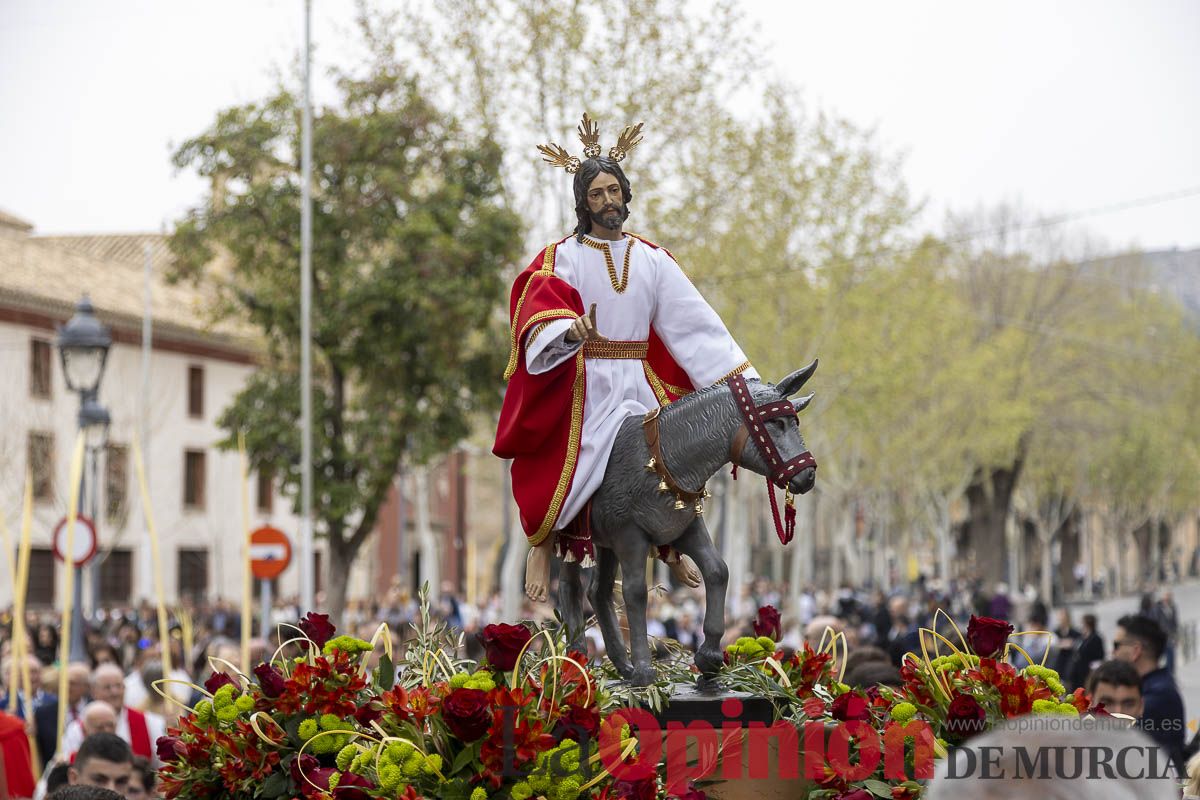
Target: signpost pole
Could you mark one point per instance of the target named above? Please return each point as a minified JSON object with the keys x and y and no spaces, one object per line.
{"x":264,"y":599}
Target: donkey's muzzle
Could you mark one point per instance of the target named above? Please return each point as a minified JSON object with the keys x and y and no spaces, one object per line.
{"x":803,"y":481}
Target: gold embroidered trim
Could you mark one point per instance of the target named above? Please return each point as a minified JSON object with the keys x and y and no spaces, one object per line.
{"x":678,"y":391}
{"x":655,"y":384}
{"x":636,"y":351}
{"x":738,"y":370}
{"x":618,"y":286}
{"x":564,"y":480}
{"x":537,"y":329}
{"x":544,"y":318}
{"x":513,"y":337}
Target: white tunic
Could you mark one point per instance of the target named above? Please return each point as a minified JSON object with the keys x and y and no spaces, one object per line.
{"x":658,"y":294}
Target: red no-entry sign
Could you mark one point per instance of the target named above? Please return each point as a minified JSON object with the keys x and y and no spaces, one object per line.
{"x":83,"y":544}
{"x":270,"y":552}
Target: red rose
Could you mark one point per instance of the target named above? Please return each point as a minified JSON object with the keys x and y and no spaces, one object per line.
{"x":848,"y":706}
{"x":965,"y":717}
{"x":857,"y":794}
{"x":318,"y":628}
{"x":768,"y":623}
{"x":166,"y":750}
{"x":578,"y":723}
{"x":309,"y":776}
{"x":270,"y":679}
{"x":503,"y":643}
{"x":365,"y":715}
{"x":467,"y":713}
{"x":987,"y":636}
{"x":217,"y":680}
{"x":640,"y":789}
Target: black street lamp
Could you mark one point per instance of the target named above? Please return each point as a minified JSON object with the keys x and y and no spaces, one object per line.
{"x":83,"y":345}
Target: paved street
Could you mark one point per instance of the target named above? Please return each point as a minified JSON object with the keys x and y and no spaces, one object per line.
{"x":1187,"y":674}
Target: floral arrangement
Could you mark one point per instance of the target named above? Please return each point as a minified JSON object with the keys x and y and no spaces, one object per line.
{"x":319,"y":723}
{"x":952,"y":697}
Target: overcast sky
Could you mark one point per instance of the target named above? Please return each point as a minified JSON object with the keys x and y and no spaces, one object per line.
{"x":1066,"y":106}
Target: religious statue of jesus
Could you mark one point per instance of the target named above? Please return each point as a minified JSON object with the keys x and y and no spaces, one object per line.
{"x":605,"y":326}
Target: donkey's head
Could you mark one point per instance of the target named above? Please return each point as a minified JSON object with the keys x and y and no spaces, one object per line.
{"x":769,"y":441}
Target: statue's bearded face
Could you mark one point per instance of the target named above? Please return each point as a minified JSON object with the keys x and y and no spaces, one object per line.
{"x":605,"y":203}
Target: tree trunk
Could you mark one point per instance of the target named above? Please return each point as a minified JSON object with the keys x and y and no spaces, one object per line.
{"x":1069,"y":555}
{"x":338,"y":576}
{"x":431,"y":562}
{"x":989,"y":504}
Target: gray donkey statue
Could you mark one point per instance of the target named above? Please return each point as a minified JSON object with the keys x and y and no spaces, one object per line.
{"x":652,"y":495}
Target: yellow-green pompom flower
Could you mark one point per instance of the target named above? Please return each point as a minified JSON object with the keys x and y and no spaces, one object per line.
{"x":331,"y":722}
{"x":227,"y":714}
{"x":223,"y":697}
{"x":479,"y":793}
{"x":412,"y":766}
{"x":346,"y":757}
{"x":244,"y":704}
{"x":432,"y":765}
{"x":1067,"y":710}
{"x":389,"y":777}
{"x":1044,"y":706}
{"x":903,"y":712}
{"x":204,"y":712}
{"x":568,"y":789}
{"x":308,"y":729}
{"x":347,"y":644}
{"x":458,"y":680}
{"x":521,"y":791}
{"x":766,"y":643}
{"x":334,"y":780}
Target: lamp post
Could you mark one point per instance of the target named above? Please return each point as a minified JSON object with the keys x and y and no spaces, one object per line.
{"x":83,"y":345}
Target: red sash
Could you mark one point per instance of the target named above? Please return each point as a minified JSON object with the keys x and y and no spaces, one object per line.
{"x":139,"y":734}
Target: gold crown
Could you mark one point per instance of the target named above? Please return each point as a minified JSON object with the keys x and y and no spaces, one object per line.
{"x":589,"y":133}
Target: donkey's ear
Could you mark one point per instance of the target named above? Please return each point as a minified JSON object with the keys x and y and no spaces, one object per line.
{"x":794,"y":382}
{"x":802,"y":403}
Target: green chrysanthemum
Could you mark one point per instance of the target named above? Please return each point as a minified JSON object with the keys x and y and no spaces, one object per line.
{"x":308,"y":729}
{"x":346,"y":757}
{"x":347,"y":644}
{"x":521,"y":791}
{"x":479,"y":793}
{"x":903,"y":712}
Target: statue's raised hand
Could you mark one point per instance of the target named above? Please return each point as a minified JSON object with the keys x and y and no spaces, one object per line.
{"x":584,"y":328}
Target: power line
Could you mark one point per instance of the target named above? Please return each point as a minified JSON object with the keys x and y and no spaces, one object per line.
{"x":1041,"y":224}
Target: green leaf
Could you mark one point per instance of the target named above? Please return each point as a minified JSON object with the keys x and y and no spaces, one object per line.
{"x":878,"y":788}
{"x":385,"y":673}
{"x":274,"y":786}
{"x":462,"y":760}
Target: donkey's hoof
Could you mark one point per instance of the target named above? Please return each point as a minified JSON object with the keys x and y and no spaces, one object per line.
{"x":623,"y":668}
{"x":709,"y":662}
{"x":643,"y":675}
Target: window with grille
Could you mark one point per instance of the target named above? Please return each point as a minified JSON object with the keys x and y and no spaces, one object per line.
{"x":116,"y":578}
{"x":40,"y":592}
{"x":41,"y":464}
{"x":40,"y":355}
{"x":193,"y":479}
{"x":196,"y":391}
{"x":116,"y":483}
{"x":193,"y":573}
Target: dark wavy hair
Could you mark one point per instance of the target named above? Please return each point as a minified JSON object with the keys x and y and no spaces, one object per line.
{"x":587,"y":173}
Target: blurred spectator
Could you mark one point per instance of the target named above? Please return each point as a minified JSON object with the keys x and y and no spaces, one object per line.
{"x":142,"y":780}
{"x":1141,"y":641}
{"x":1166,"y":614}
{"x":46,"y":715}
{"x":103,"y":760}
{"x":1088,"y":653}
{"x":85,"y":792}
{"x":1066,"y":637}
{"x":138,"y":729}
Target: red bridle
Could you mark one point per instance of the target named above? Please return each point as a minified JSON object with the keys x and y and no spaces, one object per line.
{"x":754,"y":419}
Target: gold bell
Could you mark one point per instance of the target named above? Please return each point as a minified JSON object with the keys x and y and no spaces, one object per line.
{"x":680,"y":505}
{"x":699,"y":508}
{"x":662,"y":486}
{"x":707,"y":494}
{"x":651,"y":464}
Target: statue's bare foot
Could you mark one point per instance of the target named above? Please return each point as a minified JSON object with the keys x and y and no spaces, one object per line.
{"x":685,"y":572}
{"x":537,"y":571}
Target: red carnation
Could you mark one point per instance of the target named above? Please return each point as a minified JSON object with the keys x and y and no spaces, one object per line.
{"x":964,"y":717}
{"x":987,"y":636}
{"x":467,"y":713}
{"x":317,"y":628}
{"x":503,"y":643}
{"x":768,"y":623}
{"x":848,"y":706}
{"x":217,"y":680}
{"x":270,"y":679}
{"x":166,"y":749}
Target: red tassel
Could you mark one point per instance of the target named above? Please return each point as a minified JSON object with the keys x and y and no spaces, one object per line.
{"x":789,"y":520}
{"x":733,"y":472}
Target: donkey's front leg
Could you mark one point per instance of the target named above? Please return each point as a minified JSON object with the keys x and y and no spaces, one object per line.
{"x":633,"y":589}
{"x":570,"y":603}
{"x":696,"y":543}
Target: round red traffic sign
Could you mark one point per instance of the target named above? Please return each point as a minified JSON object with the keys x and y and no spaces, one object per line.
{"x":270,"y":552}
{"x":83,"y":546}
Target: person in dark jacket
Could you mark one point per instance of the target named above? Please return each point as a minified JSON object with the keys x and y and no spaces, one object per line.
{"x":1089,"y":651}
{"x":1141,"y":641}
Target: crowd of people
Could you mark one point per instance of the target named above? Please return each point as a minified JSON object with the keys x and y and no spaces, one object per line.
{"x":119,"y":700}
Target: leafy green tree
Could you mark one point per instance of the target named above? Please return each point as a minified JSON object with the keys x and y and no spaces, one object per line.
{"x":411,"y":237}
